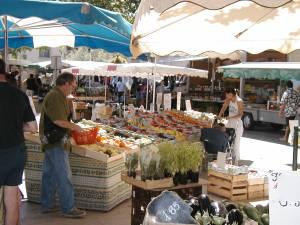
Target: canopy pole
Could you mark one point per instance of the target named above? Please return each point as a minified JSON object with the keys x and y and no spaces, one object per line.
{"x":124,"y":96}
{"x":105,"y":89}
{"x":154,"y":84}
{"x":5,"y":42}
{"x":147,"y":95}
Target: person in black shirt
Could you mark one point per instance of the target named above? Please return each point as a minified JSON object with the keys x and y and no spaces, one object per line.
{"x":16,"y":116}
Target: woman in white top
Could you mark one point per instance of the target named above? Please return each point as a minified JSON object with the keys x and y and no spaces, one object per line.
{"x":236,"y":110}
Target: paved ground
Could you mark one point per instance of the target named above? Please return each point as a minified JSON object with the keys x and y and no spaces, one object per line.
{"x":261,"y":148}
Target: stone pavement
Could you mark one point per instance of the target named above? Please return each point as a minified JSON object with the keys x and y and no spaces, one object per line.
{"x":120,"y":215}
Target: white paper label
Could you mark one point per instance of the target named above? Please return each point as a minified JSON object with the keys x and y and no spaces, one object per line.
{"x":178,"y":101}
{"x":221,"y":159}
{"x":188,"y":105}
{"x":32,"y":105}
{"x":284,"y":197}
{"x":158,"y":100}
{"x":167,"y":101}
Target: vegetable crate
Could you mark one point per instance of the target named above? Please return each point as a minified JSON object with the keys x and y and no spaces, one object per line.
{"x":233,"y":187}
{"x":255,"y":187}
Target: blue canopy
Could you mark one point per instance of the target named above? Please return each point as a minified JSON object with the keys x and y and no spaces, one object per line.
{"x":34,"y":32}
{"x":36,"y":23}
{"x":77,"y":12}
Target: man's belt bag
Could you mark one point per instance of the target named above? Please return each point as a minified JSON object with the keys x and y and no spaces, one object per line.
{"x":52,"y":132}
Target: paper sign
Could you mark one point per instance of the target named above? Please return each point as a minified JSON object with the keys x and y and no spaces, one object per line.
{"x":158,"y":100}
{"x":178,"y":101}
{"x":32,"y":105}
{"x":167,"y":102}
{"x":284,"y":197}
{"x":221,"y":159}
{"x":188,"y":105}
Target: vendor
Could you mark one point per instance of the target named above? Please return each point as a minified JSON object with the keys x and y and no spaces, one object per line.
{"x":236,"y":110}
{"x":262,"y":95}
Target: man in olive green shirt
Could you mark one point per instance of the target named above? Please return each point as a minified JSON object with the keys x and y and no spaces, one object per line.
{"x":55,"y":127}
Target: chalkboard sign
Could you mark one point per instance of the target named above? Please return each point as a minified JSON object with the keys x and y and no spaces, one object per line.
{"x":168,"y":208}
{"x":284,"y":197}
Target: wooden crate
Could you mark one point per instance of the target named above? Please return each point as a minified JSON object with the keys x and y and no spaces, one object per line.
{"x":255,"y":191}
{"x":233,"y":187}
{"x":266,"y":190}
{"x":148,"y":184}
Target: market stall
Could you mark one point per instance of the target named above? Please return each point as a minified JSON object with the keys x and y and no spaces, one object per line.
{"x":96,"y":162}
{"x":98,"y":156}
{"x":149,"y":71}
{"x":275,"y":73}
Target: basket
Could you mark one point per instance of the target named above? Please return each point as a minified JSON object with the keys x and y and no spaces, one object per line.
{"x":87,"y":137}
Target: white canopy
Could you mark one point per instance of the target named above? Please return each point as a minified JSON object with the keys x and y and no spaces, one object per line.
{"x":146,"y":70}
{"x":170,"y":26}
{"x":88,"y":68}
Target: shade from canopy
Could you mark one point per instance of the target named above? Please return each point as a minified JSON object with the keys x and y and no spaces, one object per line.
{"x":170,"y":26}
{"x":263,"y":70}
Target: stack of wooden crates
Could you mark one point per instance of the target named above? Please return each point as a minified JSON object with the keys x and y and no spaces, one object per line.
{"x":239,"y":187}
{"x":97,"y":184}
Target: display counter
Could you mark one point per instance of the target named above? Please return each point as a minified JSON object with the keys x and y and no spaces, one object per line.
{"x":141,"y":195}
{"x":97,"y":182}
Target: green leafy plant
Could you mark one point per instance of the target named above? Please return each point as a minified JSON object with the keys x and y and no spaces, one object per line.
{"x":189,"y":156}
{"x":131,"y":163}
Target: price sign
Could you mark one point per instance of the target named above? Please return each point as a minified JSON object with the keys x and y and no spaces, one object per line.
{"x":284,"y":197}
{"x":188,"y":105}
{"x":158,"y":100}
{"x":178,"y":101}
{"x":167,"y":102}
{"x":169,"y":208}
{"x":32,"y":105}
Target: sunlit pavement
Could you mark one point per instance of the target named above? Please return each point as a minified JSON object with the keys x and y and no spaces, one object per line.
{"x":265,"y":150}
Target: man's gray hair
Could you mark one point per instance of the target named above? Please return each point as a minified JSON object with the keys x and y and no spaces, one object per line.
{"x":64,"y":78}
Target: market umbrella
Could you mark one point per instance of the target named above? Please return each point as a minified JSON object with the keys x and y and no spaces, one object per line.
{"x":263,"y":70}
{"x":152,"y":70}
{"x":77,"y":12}
{"x":146,"y":70}
{"x":203,"y":27}
{"x":34,"y":32}
{"x":32,"y":13}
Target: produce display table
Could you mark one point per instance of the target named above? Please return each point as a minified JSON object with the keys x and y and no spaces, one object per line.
{"x":141,"y":196}
{"x":90,"y":98}
{"x":97,"y":183}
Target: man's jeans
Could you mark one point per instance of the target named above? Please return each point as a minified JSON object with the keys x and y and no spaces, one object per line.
{"x":57,"y":174}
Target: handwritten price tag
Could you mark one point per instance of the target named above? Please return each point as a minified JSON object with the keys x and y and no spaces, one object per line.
{"x":169,"y":208}
{"x":284,"y":197}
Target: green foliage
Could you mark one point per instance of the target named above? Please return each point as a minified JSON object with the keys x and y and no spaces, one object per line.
{"x":131,"y":162}
{"x":126,"y":7}
{"x":182,"y":157}
{"x":118,"y":59}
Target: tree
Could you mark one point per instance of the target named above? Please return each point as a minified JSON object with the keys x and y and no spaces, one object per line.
{"x":126,"y":7}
